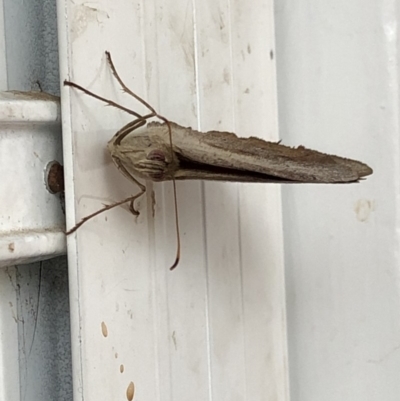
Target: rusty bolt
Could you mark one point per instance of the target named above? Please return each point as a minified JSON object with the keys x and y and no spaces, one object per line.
{"x":54,"y":177}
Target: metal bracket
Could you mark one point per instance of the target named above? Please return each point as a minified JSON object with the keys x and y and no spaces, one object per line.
{"x":32,"y":219}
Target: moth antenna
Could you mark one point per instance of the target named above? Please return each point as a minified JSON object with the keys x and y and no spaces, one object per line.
{"x":125,"y":131}
{"x":109,"y":102}
{"x":124,"y":87}
{"x":178,"y":237}
{"x":107,"y":207}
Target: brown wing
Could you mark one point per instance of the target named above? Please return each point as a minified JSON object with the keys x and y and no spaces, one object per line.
{"x":241,"y":157}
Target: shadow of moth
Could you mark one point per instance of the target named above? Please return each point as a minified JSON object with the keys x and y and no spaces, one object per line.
{"x":166,"y":151}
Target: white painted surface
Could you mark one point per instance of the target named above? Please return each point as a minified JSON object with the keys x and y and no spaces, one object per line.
{"x":338,"y":91}
{"x":31,"y":218}
{"x":215,"y":327}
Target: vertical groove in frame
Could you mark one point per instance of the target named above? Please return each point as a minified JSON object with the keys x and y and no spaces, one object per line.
{"x":203,"y":204}
{"x":284,"y":333}
{"x":207,"y":290}
{"x":233,"y":91}
{"x":165,"y":212}
{"x":74,"y":279}
{"x":150,"y":218}
{"x":196,"y":64}
{"x":238,"y":199}
{"x":391,"y":50}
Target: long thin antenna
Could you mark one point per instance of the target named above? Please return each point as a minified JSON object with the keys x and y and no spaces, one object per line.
{"x":178,"y":237}
{"x":124,"y":87}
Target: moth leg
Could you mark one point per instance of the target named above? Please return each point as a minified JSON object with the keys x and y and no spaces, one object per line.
{"x":104,"y":209}
{"x":130,"y":199}
{"x":109,"y":102}
{"x":124,"y":87}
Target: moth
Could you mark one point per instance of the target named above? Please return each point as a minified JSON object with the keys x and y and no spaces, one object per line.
{"x":167,"y":151}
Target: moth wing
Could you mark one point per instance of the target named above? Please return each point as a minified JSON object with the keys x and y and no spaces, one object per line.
{"x":226,"y":150}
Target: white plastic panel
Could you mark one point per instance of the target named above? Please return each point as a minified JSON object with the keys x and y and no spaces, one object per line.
{"x":338,"y":76}
{"x":215,"y":327}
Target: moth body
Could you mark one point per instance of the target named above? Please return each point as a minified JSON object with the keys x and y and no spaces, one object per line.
{"x":167,"y":151}
{"x":222,"y":156}
{"x":144,"y":158}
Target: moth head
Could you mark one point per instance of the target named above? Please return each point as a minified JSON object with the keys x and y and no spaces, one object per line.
{"x":151,"y":161}
{"x":157,"y":164}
